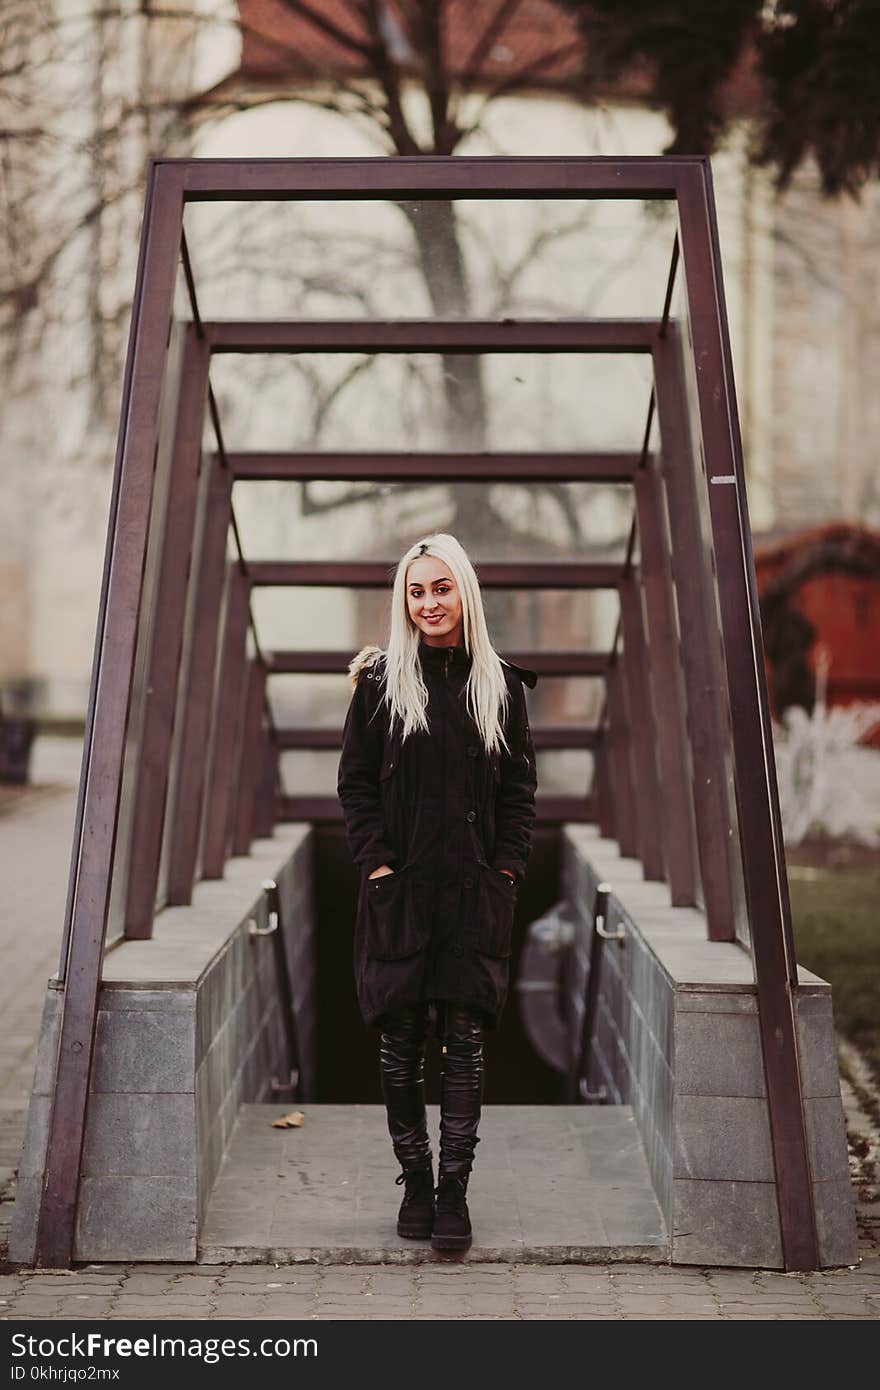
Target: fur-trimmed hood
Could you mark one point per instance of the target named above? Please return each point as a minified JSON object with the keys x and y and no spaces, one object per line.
{"x":365,"y":657}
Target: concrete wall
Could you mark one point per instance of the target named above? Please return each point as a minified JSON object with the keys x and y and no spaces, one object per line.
{"x":189,"y":1027}
{"x":677,"y":1038}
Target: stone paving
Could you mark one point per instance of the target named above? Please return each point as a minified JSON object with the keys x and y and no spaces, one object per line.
{"x":35,"y":831}
{"x":487,"y":1291}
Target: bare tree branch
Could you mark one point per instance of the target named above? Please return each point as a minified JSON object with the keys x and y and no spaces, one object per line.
{"x":387,"y":74}
{"x":489,"y":37}
{"x":427,"y":32}
{"x":326,"y":26}
{"x":520,"y":80}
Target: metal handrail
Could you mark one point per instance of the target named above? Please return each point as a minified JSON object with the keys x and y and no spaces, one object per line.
{"x":578,"y":1087}
{"x":274,"y":929}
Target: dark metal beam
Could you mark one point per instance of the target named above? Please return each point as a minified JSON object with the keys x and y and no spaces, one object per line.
{"x":432,"y":335}
{"x":433,"y":467}
{"x":226,"y":727}
{"x":642,"y":733}
{"x":160,"y":697}
{"x":699,"y":649}
{"x":304,"y":662}
{"x":378,"y":574}
{"x":619,"y":726}
{"x":608,"y":178}
{"x":267,"y":788}
{"x":667,"y":693}
{"x":109,"y":703}
{"x":327,"y":810}
{"x":603,"y":793}
{"x":561,"y":736}
{"x":760,"y":829}
{"x":547,"y":663}
{"x":187,"y":798}
{"x":249,"y":766}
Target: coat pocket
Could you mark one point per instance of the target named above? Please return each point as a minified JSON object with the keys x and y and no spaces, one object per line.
{"x":396,"y":928}
{"x":498,"y":903}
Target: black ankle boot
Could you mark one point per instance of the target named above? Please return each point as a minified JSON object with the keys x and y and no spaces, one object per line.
{"x":416,"y":1216}
{"x":452,"y":1222}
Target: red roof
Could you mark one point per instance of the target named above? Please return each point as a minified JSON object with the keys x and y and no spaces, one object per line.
{"x":277,"y":42}
{"x":538,"y":43}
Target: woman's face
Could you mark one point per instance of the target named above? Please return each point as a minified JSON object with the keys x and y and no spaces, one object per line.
{"x":434,"y":602}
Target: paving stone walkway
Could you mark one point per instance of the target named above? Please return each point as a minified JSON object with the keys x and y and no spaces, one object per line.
{"x":487,"y":1291}
{"x":35,"y":833}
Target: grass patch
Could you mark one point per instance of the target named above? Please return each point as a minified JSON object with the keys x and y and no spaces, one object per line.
{"x":836,"y":919}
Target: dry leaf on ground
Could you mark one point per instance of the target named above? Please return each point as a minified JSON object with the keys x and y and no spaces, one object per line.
{"x":293,"y":1120}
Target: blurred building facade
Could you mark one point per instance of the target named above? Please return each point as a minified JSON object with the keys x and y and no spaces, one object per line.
{"x":802,"y":277}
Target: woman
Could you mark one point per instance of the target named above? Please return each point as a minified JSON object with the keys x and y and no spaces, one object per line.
{"x":437,"y":783}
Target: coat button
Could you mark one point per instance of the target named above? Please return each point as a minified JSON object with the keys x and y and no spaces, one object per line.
{"x":469,"y":883}
{"x":472,"y":751}
{"x":457,"y":949}
{"x":471,"y":816}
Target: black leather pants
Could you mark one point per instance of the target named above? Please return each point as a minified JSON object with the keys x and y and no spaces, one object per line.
{"x":402,"y":1044}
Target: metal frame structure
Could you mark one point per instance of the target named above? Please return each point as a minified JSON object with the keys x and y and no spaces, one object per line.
{"x":684,"y":773}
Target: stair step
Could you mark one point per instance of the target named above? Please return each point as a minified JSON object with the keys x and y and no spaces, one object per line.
{"x":551,"y":1185}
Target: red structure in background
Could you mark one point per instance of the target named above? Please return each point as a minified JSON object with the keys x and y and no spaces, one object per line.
{"x":485,"y":45}
{"x":821,"y":588}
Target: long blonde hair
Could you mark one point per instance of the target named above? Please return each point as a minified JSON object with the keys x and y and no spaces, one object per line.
{"x":486,"y":692}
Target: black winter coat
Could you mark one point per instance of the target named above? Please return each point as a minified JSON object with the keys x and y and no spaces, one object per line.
{"x":447,"y":818}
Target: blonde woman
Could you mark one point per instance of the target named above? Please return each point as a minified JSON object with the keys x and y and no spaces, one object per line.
{"x":437,"y":783}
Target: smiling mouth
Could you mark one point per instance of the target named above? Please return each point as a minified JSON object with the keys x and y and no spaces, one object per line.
{"x":438,"y":619}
